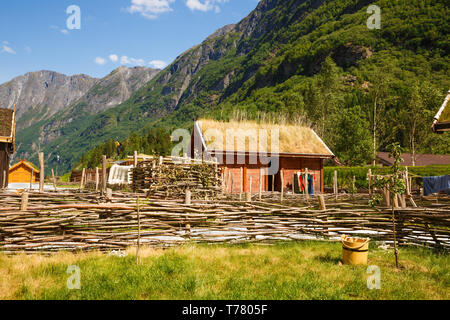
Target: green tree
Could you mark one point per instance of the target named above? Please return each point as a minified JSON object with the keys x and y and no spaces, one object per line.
{"x":353,"y":143}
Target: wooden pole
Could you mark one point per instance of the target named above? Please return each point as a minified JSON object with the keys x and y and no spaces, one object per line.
{"x":282,"y":185}
{"x":135,"y":161}
{"x":54,"y":179}
{"x":97,"y":178}
{"x":369,"y":178}
{"x":24,"y":201}
{"x":42,"y":168}
{"x":31,"y":179}
{"x":260,"y":183}
{"x":188,"y":197}
{"x":242,"y":183}
{"x":335,"y":184}
{"x":83,"y":176}
{"x":322,"y":204}
{"x":104,"y":182}
{"x":4,"y":180}
{"x":139,"y":231}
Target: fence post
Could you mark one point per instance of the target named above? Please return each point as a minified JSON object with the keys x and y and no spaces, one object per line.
{"x":369,"y":178}
{"x":322,"y":204}
{"x":335,"y":185}
{"x":97,"y":178}
{"x":54,"y":179}
{"x":31,"y":179}
{"x":135,"y":161}
{"x":42,"y":176}
{"x":188,"y":201}
{"x":104,"y":182}
{"x":260,"y":183}
{"x":139,"y":231}
{"x":242,"y":183}
{"x":282,"y":185}
{"x":4,"y":180}
{"x":24,"y":201}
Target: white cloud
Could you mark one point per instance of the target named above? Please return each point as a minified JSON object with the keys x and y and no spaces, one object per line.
{"x":150,"y":9}
{"x":205,"y":5}
{"x":157,"y":64}
{"x":100,"y":61}
{"x":7,"y":49}
{"x":132,"y":61}
{"x":114,"y":57}
{"x":64,"y":31}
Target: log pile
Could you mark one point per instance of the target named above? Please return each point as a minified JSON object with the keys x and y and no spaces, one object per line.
{"x":83,"y":221}
{"x":170,"y":178}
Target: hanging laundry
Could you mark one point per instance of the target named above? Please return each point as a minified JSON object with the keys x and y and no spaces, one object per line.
{"x":436,"y":184}
{"x":310,"y":184}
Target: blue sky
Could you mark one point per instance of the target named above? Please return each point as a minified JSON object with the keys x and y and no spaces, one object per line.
{"x":34,"y":34}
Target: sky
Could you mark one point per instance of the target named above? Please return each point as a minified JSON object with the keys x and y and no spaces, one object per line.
{"x":94,"y":37}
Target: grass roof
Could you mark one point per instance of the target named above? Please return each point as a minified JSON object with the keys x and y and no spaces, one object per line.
{"x":6,"y":118}
{"x":250,"y":136}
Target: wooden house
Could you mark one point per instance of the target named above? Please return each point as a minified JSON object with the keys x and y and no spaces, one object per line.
{"x":23,"y":172}
{"x":261,"y":153}
{"x":441,"y":121}
{"x":7,"y":139}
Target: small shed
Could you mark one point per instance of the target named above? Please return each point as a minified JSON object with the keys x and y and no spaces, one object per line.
{"x":7,"y":139}
{"x":441,"y":121}
{"x":23,"y":172}
{"x":251,"y":151}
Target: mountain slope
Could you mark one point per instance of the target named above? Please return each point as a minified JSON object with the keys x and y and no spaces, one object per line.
{"x":39,"y":95}
{"x":47,"y":116}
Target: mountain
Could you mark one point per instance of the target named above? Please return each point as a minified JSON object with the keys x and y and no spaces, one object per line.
{"x":39,"y":95}
{"x":50,"y":105}
{"x":361,"y":89}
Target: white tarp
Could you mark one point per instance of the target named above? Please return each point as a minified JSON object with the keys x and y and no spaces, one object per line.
{"x":120,"y":174}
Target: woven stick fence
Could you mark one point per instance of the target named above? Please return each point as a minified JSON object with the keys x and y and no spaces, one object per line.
{"x":83,"y":221}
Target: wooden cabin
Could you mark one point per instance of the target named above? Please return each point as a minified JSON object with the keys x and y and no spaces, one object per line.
{"x":441,"y":121}
{"x":250,"y":149}
{"x":7,"y":139}
{"x":23,"y":172}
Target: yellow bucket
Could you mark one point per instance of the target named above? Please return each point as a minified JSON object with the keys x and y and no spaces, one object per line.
{"x":354,"y":250}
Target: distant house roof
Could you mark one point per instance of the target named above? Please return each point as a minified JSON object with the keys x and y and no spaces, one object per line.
{"x":7,"y":125}
{"x":253,"y":137}
{"x":421,"y":159}
{"x":27,"y":164}
{"x":441,"y":120}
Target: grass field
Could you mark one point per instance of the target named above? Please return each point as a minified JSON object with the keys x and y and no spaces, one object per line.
{"x":301,"y":270}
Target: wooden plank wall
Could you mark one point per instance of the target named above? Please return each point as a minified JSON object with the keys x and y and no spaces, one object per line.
{"x":4,"y":162}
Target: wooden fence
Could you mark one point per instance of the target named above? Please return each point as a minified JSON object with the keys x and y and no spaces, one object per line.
{"x":87,"y":221}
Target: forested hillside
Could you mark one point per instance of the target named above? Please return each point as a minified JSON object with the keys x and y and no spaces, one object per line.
{"x":311,"y":59}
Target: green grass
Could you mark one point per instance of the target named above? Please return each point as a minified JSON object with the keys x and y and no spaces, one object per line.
{"x":302,"y":270}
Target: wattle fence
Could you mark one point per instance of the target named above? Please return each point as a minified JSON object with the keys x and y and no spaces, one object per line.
{"x":87,"y":221}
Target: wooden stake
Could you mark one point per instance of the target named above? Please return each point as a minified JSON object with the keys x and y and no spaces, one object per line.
{"x":4,"y":180}
{"x":322,"y":204}
{"x":104,"y":182}
{"x":31,"y":179}
{"x":135,"y":162}
{"x":187,"y":197}
{"x":282,"y":185}
{"x":24,"y":201}
{"x":139,"y":231}
{"x":242,"y":183}
{"x":54,"y":179}
{"x":83,"y":176}
{"x":335,"y":184}
{"x":369,"y":178}
{"x":260,"y":183}
{"x":97,"y":178}
{"x":42,"y":176}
